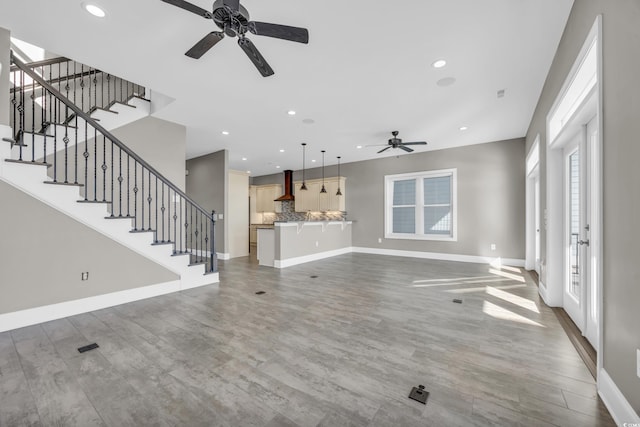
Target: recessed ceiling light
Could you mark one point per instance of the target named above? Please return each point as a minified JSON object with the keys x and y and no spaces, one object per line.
{"x":94,"y":10}
{"x":463,"y":128}
{"x":248,"y":171}
{"x":313,"y":161}
{"x":291,"y":113}
{"x":358,"y":146}
{"x":308,"y":121}
{"x":281,"y":150}
{"x":224,"y":132}
{"x":439,"y":63}
{"x":244,"y":158}
{"x":277,"y":167}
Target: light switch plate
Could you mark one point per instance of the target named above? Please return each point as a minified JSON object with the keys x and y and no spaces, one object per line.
{"x":220,"y":216}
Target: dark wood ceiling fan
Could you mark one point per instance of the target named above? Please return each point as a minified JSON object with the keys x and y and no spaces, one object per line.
{"x":233,"y":19}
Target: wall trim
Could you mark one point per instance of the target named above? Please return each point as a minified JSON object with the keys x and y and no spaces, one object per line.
{"x":442,"y":256}
{"x":221,"y":255}
{"x":46,"y":313}
{"x":308,"y":258}
{"x":619,"y":407}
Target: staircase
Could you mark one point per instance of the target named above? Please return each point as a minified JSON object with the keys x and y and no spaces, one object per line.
{"x":60,"y":150}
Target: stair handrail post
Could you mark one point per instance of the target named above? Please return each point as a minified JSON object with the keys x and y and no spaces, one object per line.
{"x":213,"y":255}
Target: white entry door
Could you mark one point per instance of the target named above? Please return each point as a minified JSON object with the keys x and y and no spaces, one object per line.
{"x":580,"y":290}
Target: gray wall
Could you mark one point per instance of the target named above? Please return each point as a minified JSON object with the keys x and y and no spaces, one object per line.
{"x":43,"y":252}
{"x":206,"y":185}
{"x":161,"y":143}
{"x":5,"y":42}
{"x":621,"y":91}
{"x":491,"y":203}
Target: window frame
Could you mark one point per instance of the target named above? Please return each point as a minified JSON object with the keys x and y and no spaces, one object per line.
{"x":419,"y":206}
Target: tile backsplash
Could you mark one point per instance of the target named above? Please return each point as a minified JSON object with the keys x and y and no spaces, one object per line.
{"x":289,"y":214}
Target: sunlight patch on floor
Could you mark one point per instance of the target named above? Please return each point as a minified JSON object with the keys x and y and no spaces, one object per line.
{"x":513,"y":299}
{"x":498,"y":312}
{"x":483,"y":289}
{"x":517,"y":277}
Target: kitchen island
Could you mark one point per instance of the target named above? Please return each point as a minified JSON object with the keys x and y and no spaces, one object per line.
{"x":296,"y":242}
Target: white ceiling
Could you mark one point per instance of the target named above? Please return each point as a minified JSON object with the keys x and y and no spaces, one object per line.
{"x":365,"y":72}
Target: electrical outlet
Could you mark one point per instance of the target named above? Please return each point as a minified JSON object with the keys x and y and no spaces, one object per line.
{"x":379,"y":239}
{"x":638,"y":363}
{"x":493,"y":246}
{"x":220,"y":216}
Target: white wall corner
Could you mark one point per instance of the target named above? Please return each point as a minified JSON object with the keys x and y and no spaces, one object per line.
{"x":619,"y":407}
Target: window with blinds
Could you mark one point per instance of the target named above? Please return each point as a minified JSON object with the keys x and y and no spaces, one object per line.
{"x":421,"y":205}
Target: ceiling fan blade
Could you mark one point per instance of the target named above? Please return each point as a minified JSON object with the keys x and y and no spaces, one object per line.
{"x":190,"y":7}
{"x":285,"y":32}
{"x":415,"y":143}
{"x":408,"y":150}
{"x":205,"y":44}
{"x":384,"y":149}
{"x":255,"y":57}
{"x":232,"y":4}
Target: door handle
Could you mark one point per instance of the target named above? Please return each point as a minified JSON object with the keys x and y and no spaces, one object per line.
{"x":583,"y":242}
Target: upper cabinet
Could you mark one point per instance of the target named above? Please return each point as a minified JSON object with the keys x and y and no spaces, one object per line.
{"x":265,"y":196}
{"x":314,"y":201}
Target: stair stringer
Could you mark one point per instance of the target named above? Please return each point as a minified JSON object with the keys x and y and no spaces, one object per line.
{"x":32,"y":179}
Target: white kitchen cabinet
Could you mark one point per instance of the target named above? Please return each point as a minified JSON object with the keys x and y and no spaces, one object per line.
{"x":314,"y":201}
{"x":265,"y":196}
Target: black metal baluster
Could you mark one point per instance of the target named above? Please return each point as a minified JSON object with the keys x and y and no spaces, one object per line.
{"x":169,"y":203}
{"x":86,"y":159}
{"x":149,"y":200}
{"x":102,"y":90}
{"x":65,"y":139}
{"x":185,"y":231}
{"x":95,"y":164}
{"x":157,"y":231}
{"x":82,"y":87}
{"x":175,"y":226}
{"x":119,"y":182}
{"x":111,"y":179}
{"x":142,"y":195}
{"x":104,"y":169}
{"x":206,"y":239}
{"x":95,"y":88}
{"x":14,"y":103}
{"x":55,"y":144}
{"x":214,"y":256}
{"x":108,"y":89}
{"x":21,"y":110}
{"x":44,"y":119}
{"x":128,"y":186}
{"x":162,"y":208}
{"x":191,"y":231}
{"x":135,"y":195}
{"x":75,"y":148}
{"x":33,"y":120}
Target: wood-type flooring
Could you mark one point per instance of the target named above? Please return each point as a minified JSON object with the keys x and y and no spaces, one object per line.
{"x":341,"y":349}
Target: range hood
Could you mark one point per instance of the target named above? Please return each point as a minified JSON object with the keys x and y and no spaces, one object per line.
{"x":288,"y":188}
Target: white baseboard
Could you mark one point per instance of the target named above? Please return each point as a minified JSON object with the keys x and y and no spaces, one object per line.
{"x":442,"y":256}
{"x":308,"y":258}
{"x":621,"y":410}
{"x":223,"y":255}
{"x":32,"y":316}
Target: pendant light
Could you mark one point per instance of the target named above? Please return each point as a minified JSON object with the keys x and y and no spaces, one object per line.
{"x":304,"y":184}
{"x":323,"y":190}
{"x":338,"y":193}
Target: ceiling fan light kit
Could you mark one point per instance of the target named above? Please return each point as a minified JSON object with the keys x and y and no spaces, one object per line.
{"x":233,"y":19}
